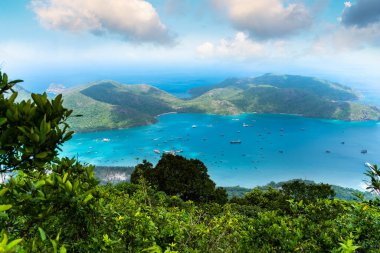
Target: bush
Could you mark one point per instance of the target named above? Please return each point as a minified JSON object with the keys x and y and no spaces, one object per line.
{"x":178,"y":176}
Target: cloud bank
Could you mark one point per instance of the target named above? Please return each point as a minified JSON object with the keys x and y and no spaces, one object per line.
{"x":133,"y":20}
{"x":265,"y":19}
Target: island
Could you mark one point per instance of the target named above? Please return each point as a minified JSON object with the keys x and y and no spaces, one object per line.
{"x":111,"y":105}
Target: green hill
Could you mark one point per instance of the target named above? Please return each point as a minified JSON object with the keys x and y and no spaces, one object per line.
{"x":322,"y":88}
{"x":107,"y":105}
{"x":111,"y":105}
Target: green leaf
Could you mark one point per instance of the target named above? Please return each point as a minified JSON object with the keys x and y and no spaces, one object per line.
{"x":62,"y":249}
{"x":13,"y":97}
{"x":153,"y":249}
{"x":42,"y":234}
{"x":54,"y":244}
{"x":88,"y":198}
{"x":3,"y":121}
{"x":5,"y":238}
{"x":42,"y":155}
{"x":5,"y":207}
{"x":40,"y":183}
{"x":23,"y":130}
{"x":13,"y":244}
{"x":5,"y":78}
{"x":69,"y":186}
{"x":65,"y":177}
{"x":3,"y":191}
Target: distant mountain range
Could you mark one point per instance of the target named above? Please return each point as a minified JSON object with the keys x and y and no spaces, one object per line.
{"x":109,"y":105}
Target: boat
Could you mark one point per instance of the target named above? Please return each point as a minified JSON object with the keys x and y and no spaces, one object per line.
{"x":235,"y":142}
{"x":173,"y":152}
{"x":156,"y":151}
{"x":194,"y":126}
{"x":106,"y":140}
{"x":245,"y":125}
{"x":364,"y":151}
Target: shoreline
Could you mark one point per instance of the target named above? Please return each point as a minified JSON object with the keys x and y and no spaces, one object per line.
{"x":156,"y":118}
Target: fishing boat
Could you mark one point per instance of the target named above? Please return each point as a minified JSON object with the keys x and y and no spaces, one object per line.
{"x":235,"y":142}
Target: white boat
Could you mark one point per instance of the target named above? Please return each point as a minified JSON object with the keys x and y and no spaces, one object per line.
{"x":194,"y":126}
{"x":106,"y":140}
{"x":173,"y":152}
{"x":245,"y":125}
{"x":236,"y":142}
{"x":156,"y":151}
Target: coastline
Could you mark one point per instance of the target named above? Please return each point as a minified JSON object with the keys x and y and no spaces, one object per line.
{"x":156,"y":118}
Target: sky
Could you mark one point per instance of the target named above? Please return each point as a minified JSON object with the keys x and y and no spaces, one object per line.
{"x":72,"y":42}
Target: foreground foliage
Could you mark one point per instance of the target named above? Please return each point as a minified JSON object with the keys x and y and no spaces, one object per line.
{"x":51,"y":204}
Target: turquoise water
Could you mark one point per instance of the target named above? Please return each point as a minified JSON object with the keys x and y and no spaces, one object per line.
{"x":273,"y":147}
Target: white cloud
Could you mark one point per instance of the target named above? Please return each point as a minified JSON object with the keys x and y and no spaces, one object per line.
{"x":134,"y":20}
{"x":266,"y":18}
{"x":240,"y":47}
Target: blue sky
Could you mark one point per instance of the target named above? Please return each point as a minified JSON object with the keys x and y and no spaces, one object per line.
{"x":71,"y":42}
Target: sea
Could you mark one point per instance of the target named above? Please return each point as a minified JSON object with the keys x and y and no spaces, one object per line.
{"x":270,"y":147}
